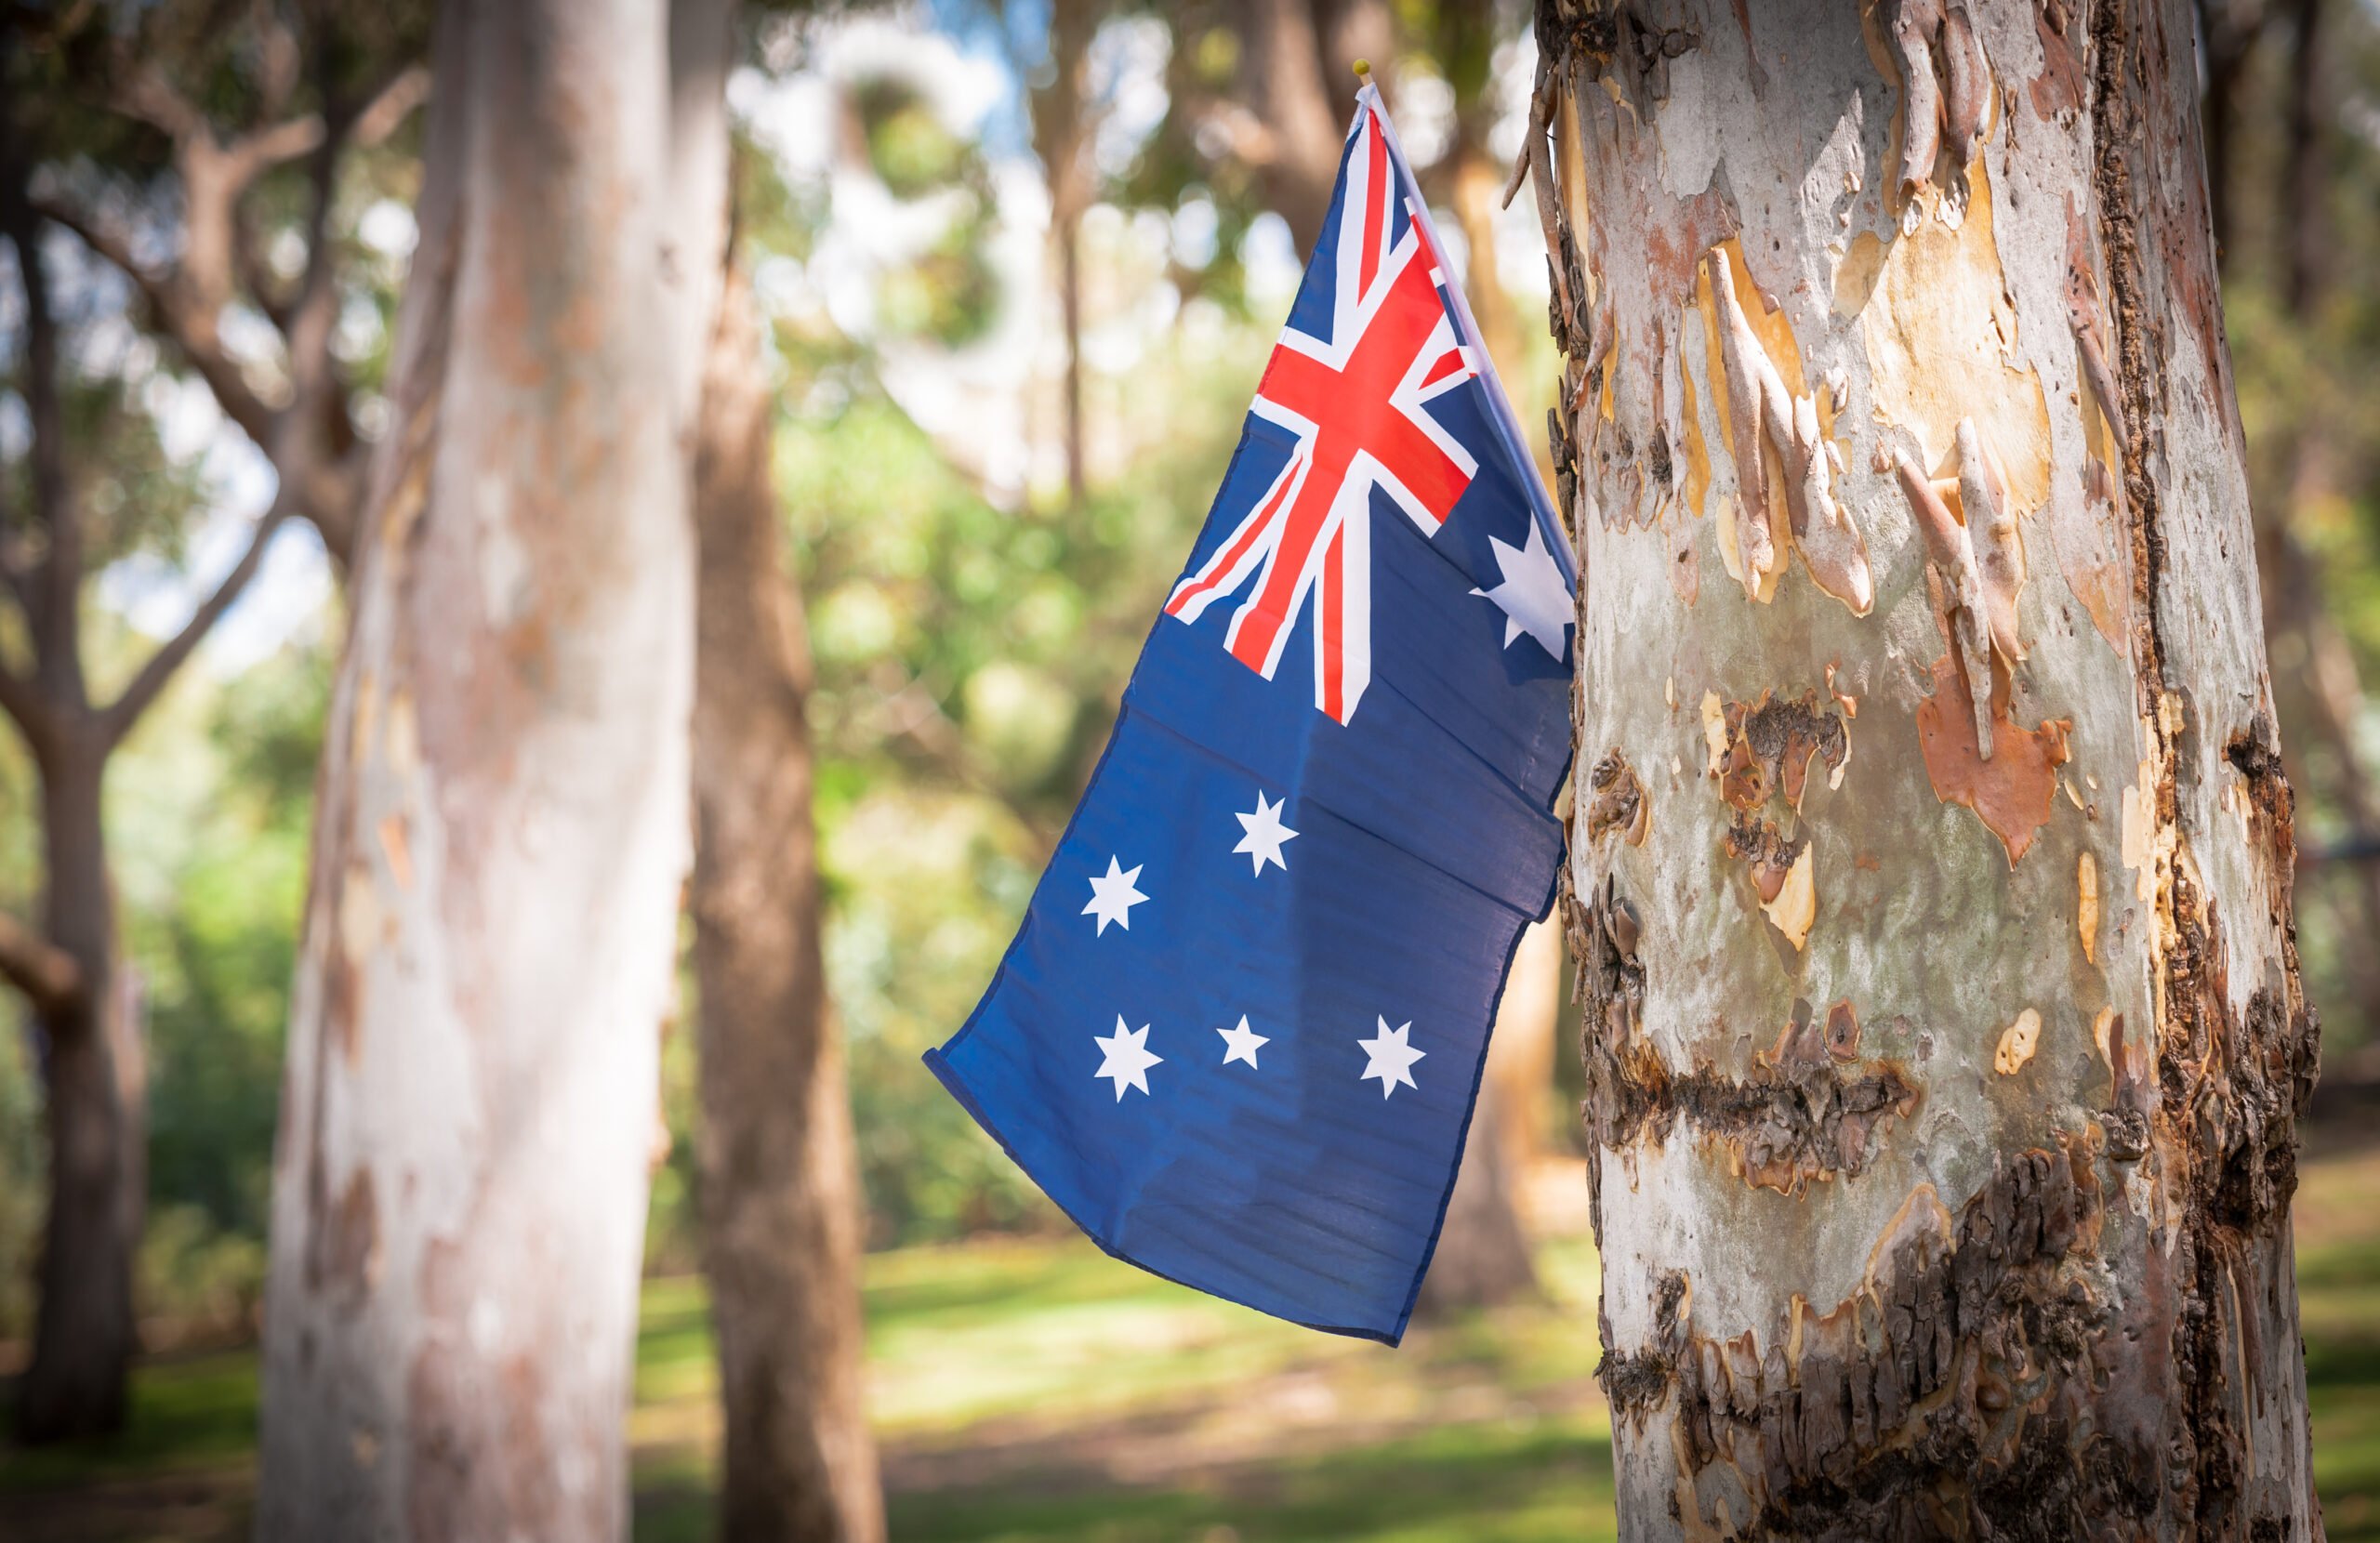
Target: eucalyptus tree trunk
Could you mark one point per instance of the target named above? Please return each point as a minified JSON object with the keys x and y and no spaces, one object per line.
{"x":460,"y":1177}
{"x":1931,"y":861}
{"x":780,"y":1177}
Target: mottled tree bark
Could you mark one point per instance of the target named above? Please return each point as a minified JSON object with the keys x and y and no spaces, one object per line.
{"x":780,"y":1177}
{"x":1930,"y":875}
{"x":460,"y":1175}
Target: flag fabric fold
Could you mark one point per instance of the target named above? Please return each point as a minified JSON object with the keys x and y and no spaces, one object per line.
{"x":1239,"y":1037}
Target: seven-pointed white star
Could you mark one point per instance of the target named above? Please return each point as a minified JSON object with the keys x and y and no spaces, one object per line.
{"x":1113,"y":897}
{"x":1533,"y":596}
{"x":1390,"y":1058}
{"x":1125,"y":1058}
{"x":1242,"y":1043}
{"x":1265,"y":834}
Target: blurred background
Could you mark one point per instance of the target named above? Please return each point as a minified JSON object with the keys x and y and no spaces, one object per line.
{"x":1022,"y":262}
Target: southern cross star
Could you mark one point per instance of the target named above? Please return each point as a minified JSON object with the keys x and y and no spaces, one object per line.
{"x":1533,"y":596}
{"x":1126,"y":1058}
{"x":1265,"y":834}
{"x":1113,"y":897}
{"x":1242,"y":1043}
{"x":1390,"y":1059}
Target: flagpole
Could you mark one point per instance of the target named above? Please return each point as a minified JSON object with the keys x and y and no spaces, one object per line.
{"x":1549,"y":520}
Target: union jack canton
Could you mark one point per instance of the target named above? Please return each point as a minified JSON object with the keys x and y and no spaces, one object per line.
{"x":1239,"y":1033}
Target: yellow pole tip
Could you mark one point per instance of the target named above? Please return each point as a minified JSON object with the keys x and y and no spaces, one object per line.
{"x":1364,"y":70}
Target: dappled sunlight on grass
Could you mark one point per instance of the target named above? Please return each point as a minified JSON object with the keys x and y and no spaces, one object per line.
{"x":2338,"y":1220}
{"x":194,"y":1413}
{"x":1034,"y":1390}
{"x":976,"y":1332}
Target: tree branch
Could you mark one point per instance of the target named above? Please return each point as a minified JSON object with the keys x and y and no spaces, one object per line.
{"x":147,"y":96}
{"x":391,"y":106}
{"x":23,"y":700}
{"x":16,"y":569}
{"x":303,"y":440}
{"x":912,"y":714}
{"x":55,"y":623}
{"x":117,"y":719}
{"x":191,"y":328}
{"x":44,"y":972}
{"x":260,"y":150}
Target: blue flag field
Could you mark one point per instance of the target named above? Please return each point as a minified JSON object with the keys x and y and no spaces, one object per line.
{"x":1239,"y":1033}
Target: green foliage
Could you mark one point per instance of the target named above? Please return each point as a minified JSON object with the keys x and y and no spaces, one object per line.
{"x":907,"y":146}
{"x":216,"y":933}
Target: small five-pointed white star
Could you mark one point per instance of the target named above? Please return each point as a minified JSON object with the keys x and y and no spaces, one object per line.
{"x":1127,"y":1059}
{"x":1265,"y":834}
{"x":1390,"y":1059}
{"x":1113,"y":897}
{"x":1242,"y":1043}
{"x":1533,"y":596}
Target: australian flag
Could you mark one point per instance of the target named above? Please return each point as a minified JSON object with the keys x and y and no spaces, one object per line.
{"x":1239,"y":1033}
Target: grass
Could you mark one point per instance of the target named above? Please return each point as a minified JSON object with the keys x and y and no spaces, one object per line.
{"x":1039,"y":1393}
{"x":2338,"y":1217}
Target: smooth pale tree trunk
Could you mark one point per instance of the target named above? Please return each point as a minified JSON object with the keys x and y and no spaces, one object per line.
{"x":780,"y":1177}
{"x":1943,"y":1105}
{"x":460,"y":1176}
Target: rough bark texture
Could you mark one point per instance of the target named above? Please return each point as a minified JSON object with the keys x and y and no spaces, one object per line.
{"x":1931,"y":890}
{"x":460,"y":1175}
{"x":780,"y":1177}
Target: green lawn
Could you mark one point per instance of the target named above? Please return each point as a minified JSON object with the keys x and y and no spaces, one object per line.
{"x":1039,"y":1390}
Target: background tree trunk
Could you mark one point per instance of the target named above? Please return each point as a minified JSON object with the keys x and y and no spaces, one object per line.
{"x":1292,"y":89}
{"x":1943,"y":1102}
{"x":1483,"y":1257}
{"x":780,"y":1177}
{"x":88,"y":1003}
{"x":1063,"y":125}
{"x":460,"y":1177}
{"x":84,"y":1334}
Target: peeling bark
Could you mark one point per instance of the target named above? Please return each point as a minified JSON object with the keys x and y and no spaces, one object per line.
{"x":460,"y":1174}
{"x":2023,"y":1272}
